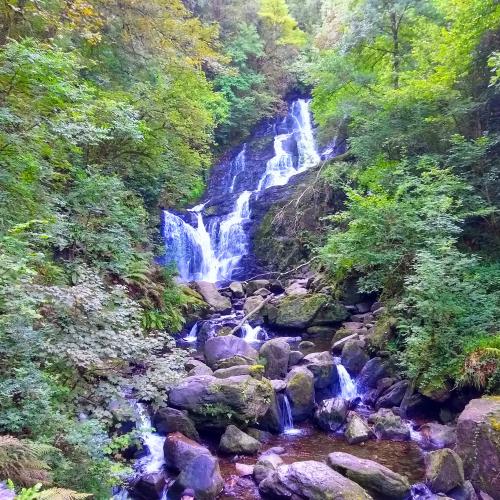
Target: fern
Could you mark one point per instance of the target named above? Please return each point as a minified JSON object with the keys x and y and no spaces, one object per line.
{"x":62,"y":494}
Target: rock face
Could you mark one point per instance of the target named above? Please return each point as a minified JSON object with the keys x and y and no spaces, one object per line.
{"x":331,"y":413}
{"x":203,"y":476}
{"x":389,"y":426}
{"x":443,"y":470}
{"x":310,"y":480}
{"x":357,"y":430}
{"x":214,"y":402}
{"x":168,"y":420}
{"x":298,"y":311}
{"x":276,"y":353}
{"x":218,"y":349}
{"x":238,"y":442}
{"x":353,"y":356}
{"x":478,"y":443}
{"x":179,"y":451}
{"x":212,"y":297}
{"x":322,"y":366}
{"x":374,"y":477}
{"x":300,"y":392}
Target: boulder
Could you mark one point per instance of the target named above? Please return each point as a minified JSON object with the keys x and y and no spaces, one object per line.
{"x":294,"y":358}
{"x":443,"y":470}
{"x":251,"y":303}
{"x":310,"y":480}
{"x":243,"y":469}
{"x":232,"y":371}
{"x":296,"y":288}
{"x":259,"y":434}
{"x":237,"y":442}
{"x":478,"y":443}
{"x":392,"y":396}
{"x":322,"y":366}
{"x":221,"y":348}
{"x":331,"y":413}
{"x":236,"y":289}
{"x":464,"y":492}
{"x":215,"y":402}
{"x":212,"y":297}
{"x":276,"y":287}
{"x":276,"y":353}
{"x":262,"y":292}
{"x":377,"y":479}
{"x":386,"y":425}
{"x":374,"y":370}
{"x":306,"y":345}
{"x":272,"y":421}
{"x":168,"y":420}
{"x":266,"y":464}
{"x":203,"y":476}
{"x":357,"y":430}
{"x":278,"y":385}
{"x":300,"y":392}
{"x":200,"y":369}
{"x":331,"y":313}
{"x":321,"y":331}
{"x":436,"y":435}
{"x":179,"y":451}
{"x":147,"y":486}
{"x":252,"y":286}
{"x":353,"y":356}
{"x":298,"y":311}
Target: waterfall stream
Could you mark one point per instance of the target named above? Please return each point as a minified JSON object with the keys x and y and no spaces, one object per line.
{"x":348,"y":389}
{"x":287,"y":418}
{"x":212,"y":253}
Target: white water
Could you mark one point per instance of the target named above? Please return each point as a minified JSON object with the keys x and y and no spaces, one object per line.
{"x":153,"y":461}
{"x":251,"y":334}
{"x":286,"y":415}
{"x":348,"y":388}
{"x":193,"y":334}
{"x":213,"y":255}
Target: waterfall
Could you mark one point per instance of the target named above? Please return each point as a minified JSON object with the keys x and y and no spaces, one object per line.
{"x":251,"y":333}
{"x":212,"y":255}
{"x":348,"y":388}
{"x":287,"y":418}
{"x":153,"y":461}
{"x":193,"y":334}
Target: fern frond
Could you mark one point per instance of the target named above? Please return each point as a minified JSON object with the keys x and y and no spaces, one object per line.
{"x":62,"y":494}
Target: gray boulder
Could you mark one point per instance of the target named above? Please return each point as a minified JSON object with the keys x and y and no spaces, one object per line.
{"x":276,"y":353}
{"x":200,"y":369}
{"x":252,"y":286}
{"x":392,"y":396}
{"x":310,"y":480}
{"x":331,"y":413}
{"x":322,"y":366}
{"x":212,"y":297}
{"x":377,"y":479}
{"x":386,"y":425}
{"x":436,"y":435}
{"x":353,"y":356}
{"x":300,"y":392}
{"x":294,"y":358}
{"x":236,"y":289}
{"x":331,"y":313}
{"x":179,"y":451}
{"x":218,"y":349}
{"x":443,"y":470}
{"x":372,"y":372}
{"x":232,"y":371}
{"x":168,"y":420}
{"x":266,"y":464}
{"x":202,"y":475}
{"x":238,"y":442}
{"x":464,"y":492}
{"x":357,"y":430}
{"x":298,"y":311}
{"x":251,"y":303}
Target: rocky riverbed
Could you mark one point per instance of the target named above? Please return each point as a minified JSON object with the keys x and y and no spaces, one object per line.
{"x":288,"y":395}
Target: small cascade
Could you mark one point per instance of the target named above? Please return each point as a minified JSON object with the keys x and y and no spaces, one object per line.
{"x":287,"y":418}
{"x":237,"y":166}
{"x":348,"y":388}
{"x":153,"y":461}
{"x":193,"y":334}
{"x":251,"y":334}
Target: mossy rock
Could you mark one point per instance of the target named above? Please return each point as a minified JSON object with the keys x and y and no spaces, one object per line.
{"x":299,"y":311}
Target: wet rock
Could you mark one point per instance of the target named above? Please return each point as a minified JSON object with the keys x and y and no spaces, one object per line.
{"x":251,"y":303}
{"x":276,"y":287}
{"x":306,"y":345}
{"x":443,"y":470}
{"x":357,"y":430}
{"x":299,"y":311}
{"x":353,"y":356}
{"x":310,"y":480}
{"x":234,"y":361}
{"x":262,"y":292}
{"x":259,"y":435}
{"x":300,"y":392}
{"x":321,"y":331}
{"x":146,"y":487}
{"x":272,"y":420}
{"x":252,"y":286}
{"x":377,"y":479}
{"x":214,"y":402}
{"x":212,"y":297}
{"x":439,"y":393}
{"x":232,"y":371}
{"x":294,"y":358}
{"x":478,"y":443}
{"x":392,"y":396}
{"x":386,"y":425}
{"x":340,"y":338}
{"x":266,"y":464}
{"x":220,"y":348}
{"x":436,"y":435}
{"x":322,"y":366}
{"x":236,"y":289}
{"x":276,"y":354}
{"x":237,"y":442}
{"x":179,"y":451}
{"x":372,"y":372}
{"x":203,"y":476}
{"x":278,"y":385}
{"x":420,"y":491}
{"x":243,"y":469}
{"x":200,"y":369}
{"x":464,"y":492}
{"x":331,"y":313}
{"x":331,"y":413}
{"x":168,"y":420}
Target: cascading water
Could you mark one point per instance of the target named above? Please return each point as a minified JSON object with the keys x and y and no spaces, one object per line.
{"x":348,"y":388}
{"x":213,"y":255}
{"x":287,"y":418}
{"x":251,"y":334}
{"x":193,"y":334}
